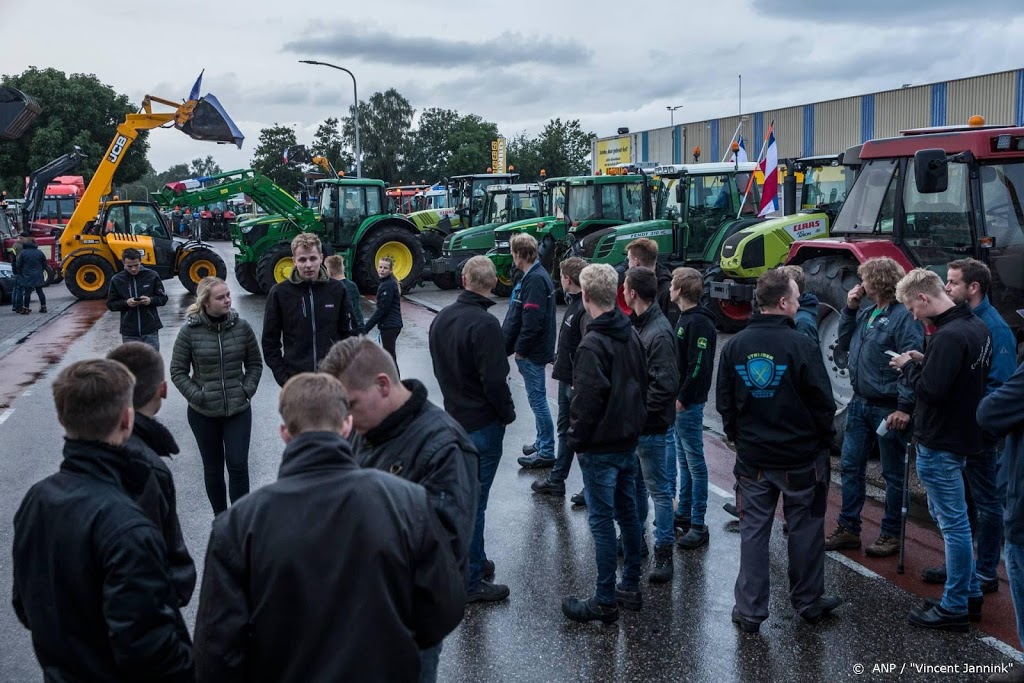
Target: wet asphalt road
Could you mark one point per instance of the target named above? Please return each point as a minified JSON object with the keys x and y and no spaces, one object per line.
{"x":543,"y":551}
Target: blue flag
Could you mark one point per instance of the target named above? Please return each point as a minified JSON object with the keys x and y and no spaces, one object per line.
{"x":194,"y":95}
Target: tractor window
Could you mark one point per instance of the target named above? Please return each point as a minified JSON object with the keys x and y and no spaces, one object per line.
{"x":479,"y":191}
{"x":498,"y":209}
{"x":373,"y":201}
{"x":116,"y":221}
{"x":557,"y":199}
{"x":352,"y":202}
{"x":633,"y":206}
{"x":938,"y":228}
{"x":328,"y":199}
{"x":871,"y":203}
{"x":581,"y":203}
{"x":525,"y":205}
{"x":1002,"y":193}
{"x":144,"y":220}
{"x":753,"y":198}
{"x":826,"y":186}
{"x":611,"y":202}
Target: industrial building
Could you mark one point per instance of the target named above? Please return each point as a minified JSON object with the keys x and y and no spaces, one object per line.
{"x":826,"y":127}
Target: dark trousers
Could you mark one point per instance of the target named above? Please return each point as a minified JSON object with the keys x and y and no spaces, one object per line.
{"x":804,"y":494}
{"x":563,"y":459}
{"x":223,"y":440}
{"x":488,"y":441}
{"x":22,"y":297}
{"x":388,"y":338}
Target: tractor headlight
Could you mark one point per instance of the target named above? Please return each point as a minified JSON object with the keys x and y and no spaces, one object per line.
{"x":501,"y":245}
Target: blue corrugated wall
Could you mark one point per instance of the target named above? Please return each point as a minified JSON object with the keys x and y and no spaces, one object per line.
{"x":938,"y":104}
{"x":867,"y":118}
{"x":808,"y":130}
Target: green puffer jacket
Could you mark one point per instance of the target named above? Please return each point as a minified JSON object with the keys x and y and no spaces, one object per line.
{"x":216,"y":366}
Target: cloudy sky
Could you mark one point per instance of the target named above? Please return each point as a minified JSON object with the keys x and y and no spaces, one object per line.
{"x":519,"y":64}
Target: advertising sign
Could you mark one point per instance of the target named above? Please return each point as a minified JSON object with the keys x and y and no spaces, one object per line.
{"x":611,"y":152}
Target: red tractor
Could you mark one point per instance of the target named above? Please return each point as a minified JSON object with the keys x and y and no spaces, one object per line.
{"x":215,"y":221}
{"x":924,"y":198}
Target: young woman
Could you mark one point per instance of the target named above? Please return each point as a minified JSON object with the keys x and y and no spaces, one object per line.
{"x":216,"y":365}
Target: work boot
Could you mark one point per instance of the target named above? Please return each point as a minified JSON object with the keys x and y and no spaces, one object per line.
{"x":589,"y":610}
{"x":746,"y":625}
{"x":535,"y":462}
{"x":731,"y":509}
{"x":934,"y":575}
{"x":821,"y":608}
{"x":974,"y":606}
{"x":842,"y":539}
{"x":988,"y":585}
{"x":578,"y":499}
{"x":662,"y":572}
{"x":42,"y":309}
{"x":885,"y":546}
{"x":630,"y":599}
{"x":681,"y":523}
{"x":696,"y":537}
{"x":529,"y":449}
{"x":937,"y":618}
{"x":548,"y":487}
{"x":488,"y":592}
{"x":488,"y":570}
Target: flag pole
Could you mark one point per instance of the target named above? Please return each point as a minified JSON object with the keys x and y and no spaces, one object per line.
{"x":728,"y":146}
{"x":760,"y":156}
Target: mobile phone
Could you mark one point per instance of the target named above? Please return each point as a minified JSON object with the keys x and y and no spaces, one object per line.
{"x":136,"y":298}
{"x":892,"y":353}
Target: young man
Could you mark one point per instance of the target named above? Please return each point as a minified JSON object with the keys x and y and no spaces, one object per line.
{"x":607,"y":416}
{"x":388,"y":316}
{"x":30,"y":272}
{"x":95,"y":589}
{"x":466,"y":348}
{"x":153,"y":442}
{"x":639,"y":291}
{"x":776,"y":404}
{"x":336,"y":270}
{"x":867,"y":333}
{"x":949,"y":383}
{"x":391,"y":587}
{"x":574,"y":322}
{"x":807,"y":314}
{"x":405,"y":434}
{"x":307,"y":313}
{"x":529,"y":331}
{"x":136,"y":292}
{"x":696,"y":339}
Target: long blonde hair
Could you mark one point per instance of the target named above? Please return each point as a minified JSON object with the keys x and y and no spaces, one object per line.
{"x":203,"y":293}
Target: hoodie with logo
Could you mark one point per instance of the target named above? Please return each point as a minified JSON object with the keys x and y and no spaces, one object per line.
{"x":696,"y":339}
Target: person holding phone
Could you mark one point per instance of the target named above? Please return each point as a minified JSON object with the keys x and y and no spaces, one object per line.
{"x":136,"y":292}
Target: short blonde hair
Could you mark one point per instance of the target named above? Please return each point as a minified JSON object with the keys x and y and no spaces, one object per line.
{"x":357,"y":361}
{"x":919,"y":281}
{"x":689,"y":283}
{"x":335,"y":264}
{"x":480,"y":273}
{"x":796,"y":274}
{"x":600,"y":283}
{"x":645,"y":250}
{"x":313,"y":402}
{"x":524,"y":246}
{"x":306,"y":240}
{"x":882,"y":274}
{"x":91,"y":396}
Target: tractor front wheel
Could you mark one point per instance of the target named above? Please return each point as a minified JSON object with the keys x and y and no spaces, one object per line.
{"x":730,"y":316}
{"x":88,"y":277}
{"x":275,"y":266}
{"x":198,"y":264}
{"x":245,"y":273}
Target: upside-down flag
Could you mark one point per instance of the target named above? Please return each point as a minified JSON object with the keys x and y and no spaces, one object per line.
{"x":769,"y":166}
{"x":742,"y":153}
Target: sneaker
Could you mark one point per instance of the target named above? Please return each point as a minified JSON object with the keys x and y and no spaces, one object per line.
{"x":682,"y":524}
{"x":24,"y":311}
{"x":696,"y":537}
{"x":488,"y":592}
{"x":974,"y":606}
{"x":746,"y":625}
{"x":937,"y":618}
{"x":629,"y":599}
{"x":663,"y":570}
{"x":842,"y":539}
{"x":885,"y":546}
{"x":589,"y":610}
{"x":529,"y":449}
{"x":578,"y":499}
{"x":488,"y":570}
{"x":821,"y":608}
{"x":731,"y":509}
{"x":548,"y":487}
{"x":934,"y":575}
{"x":535,"y":462}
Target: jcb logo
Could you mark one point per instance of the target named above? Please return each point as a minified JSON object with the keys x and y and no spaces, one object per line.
{"x":117,"y":148}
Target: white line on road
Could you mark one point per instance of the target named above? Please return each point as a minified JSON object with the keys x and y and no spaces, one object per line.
{"x":27,"y":392}
{"x":855,"y":566}
{"x":1004,"y":648}
{"x":718,"y":491}
{"x":6,"y":414}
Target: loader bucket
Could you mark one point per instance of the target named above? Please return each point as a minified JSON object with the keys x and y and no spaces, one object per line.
{"x":210,"y":122}
{"x":17,"y":112}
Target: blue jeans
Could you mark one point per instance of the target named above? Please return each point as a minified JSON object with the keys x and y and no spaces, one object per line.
{"x":533,"y":377}
{"x":563,"y":461}
{"x":981,"y":477}
{"x":861,"y":422}
{"x":609,"y":481}
{"x":693,"y":470}
{"x":488,"y":442}
{"x":941,"y":472}
{"x":21,"y":297}
{"x":153,"y":339}
{"x":670,"y":460}
{"x":1015,"y":570}
{"x":650,"y":454}
{"x":430,"y":658}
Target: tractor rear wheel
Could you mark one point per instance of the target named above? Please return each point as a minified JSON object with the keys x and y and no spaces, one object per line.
{"x":200,"y":263}
{"x":245,"y":273}
{"x":88,"y":277}
{"x":506,"y":282}
{"x":432,"y":243}
{"x":397,"y":243}
{"x":730,"y":316}
{"x":49,"y":276}
{"x":274,"y":266}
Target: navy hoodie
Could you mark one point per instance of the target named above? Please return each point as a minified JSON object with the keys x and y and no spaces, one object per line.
{"x":696,"y":339}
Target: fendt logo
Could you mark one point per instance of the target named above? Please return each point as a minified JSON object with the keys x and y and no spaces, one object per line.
{"x":117,"y":148}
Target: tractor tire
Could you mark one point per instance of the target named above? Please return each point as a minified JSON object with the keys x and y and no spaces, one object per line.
{"x":245,"y":273}
{"x":274,"y":266}
{"x":388,"y":240}
{"x":730,"y":316}
{"x":507,"y":282}
{"x":830,"y":278}
{"x":49,"y":276}
{"x":445,"y":280}
{"x":432,"y":243}
{"x":88,"y":277}
{"x":198,"y":264}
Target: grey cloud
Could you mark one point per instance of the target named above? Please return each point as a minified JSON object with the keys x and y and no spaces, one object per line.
{"x":377,"y":46}
{"x":879,"y":12}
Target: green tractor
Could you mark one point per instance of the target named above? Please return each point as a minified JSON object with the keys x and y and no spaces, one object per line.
{"x":502,"y":204}
{"x":352,"y":220}
{"x":729,"y":286}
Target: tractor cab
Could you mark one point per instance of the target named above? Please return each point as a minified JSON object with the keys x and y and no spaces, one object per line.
{"x":469,"y":194}
{"x":121,"y":223}
{"x":345,"y":204}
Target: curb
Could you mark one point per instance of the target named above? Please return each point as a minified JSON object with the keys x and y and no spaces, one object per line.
{"x":21,"y":334}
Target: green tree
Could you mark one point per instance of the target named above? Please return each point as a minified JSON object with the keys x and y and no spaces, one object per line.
{"x":470,"y":142}
{"x":77,"y":110}
{"x":429,"y":146}
{"x":328,"y":143}
{"x":385,"y":122}
{"x":204,"y":167}
{"x":268,"y":158}
{"x":564,"y":148}
{"x":523,"y":153}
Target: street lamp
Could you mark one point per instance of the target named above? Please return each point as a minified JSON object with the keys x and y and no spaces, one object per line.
{"x":355,"y":92}
{"x":672,"y":124}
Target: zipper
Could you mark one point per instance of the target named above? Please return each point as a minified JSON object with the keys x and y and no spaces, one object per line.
{"x":223,"y":382}
{"x":312,"y":317}
{"x":138,"y":311}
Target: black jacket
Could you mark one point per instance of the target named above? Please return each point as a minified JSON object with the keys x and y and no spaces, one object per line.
{"x":466,"y":348}
{"x":664,"y":299}
{"x":872,"y":378}
{"x":662,"y":368}
{"x":311,"y":317}
{"x":388,"y":315}
{"x":696,"y":339}
{"x":30,"y":266}
{"x":158,"y":499}
{"x":608,"y":413}
{"x":355,"y":299}
{"x":91,"y":579}
{"x":1000,"y":413}
{"x":332,"y":573}
{"x":574,"y":324}
{"x":774,"y":395}
{"x":950,"y":382}
{"x":422,"y":443}
{"x":140,"y":320}
{"x":529,"y":328}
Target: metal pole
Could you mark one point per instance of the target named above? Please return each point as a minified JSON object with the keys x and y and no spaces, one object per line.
{"x":740,"y":112}
{"x":355,"y":115}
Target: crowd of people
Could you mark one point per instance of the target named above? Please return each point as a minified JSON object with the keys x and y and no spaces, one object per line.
{"x":396,"y":488}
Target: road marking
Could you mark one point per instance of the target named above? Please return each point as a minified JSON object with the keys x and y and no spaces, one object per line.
{"x":27,"y":392}
{"x":718,"y":491}
{"x":6,"y":414}
{"x":1004,"y":648}
{"x":855,"y":566}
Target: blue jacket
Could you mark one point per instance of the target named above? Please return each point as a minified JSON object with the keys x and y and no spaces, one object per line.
{"x":30,"y":266}
{"x":1004,"y":346}
{"x":807,"y":316}
{"x":893,"y":330}
{"x":1000,"y":413}
{"x":529,"y":328}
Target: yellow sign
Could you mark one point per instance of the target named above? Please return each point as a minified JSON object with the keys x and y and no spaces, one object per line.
{"x":498,"y":155}
{"x":611,"y":152}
